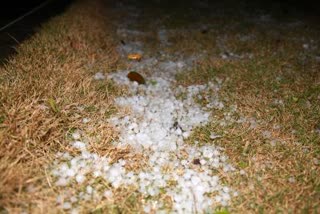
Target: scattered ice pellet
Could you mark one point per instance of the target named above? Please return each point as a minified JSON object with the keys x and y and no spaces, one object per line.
{"x":79,"y":145}
{"x":266,"y":134}
{"x":108,"y":194}
{"x":305,"y":46}
{"x":80,"y":178}
{"x":214,"y":136}
{"x":292,"y":180}
{"x":85,"y":120}
{"x":74,"y":211}
{"x":99,"y":76}
{"x":76,"y":135}
{"x":66,"y":206}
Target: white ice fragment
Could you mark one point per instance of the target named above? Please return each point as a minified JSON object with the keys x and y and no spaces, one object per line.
{"x":70,"y":172}
{"x":266,"y":134}
{"x":74,"y":211}
{"x":108,"y":194}
{"x":66,"y":206}
{"x":76,"y":135}
{"x":89,"y":190}
{"x":147,"y":208}
{"x":62,"y":182}
{"x":214,"y":136}
{"x":80,"y":178}
{"x":85,"y":120}
{"x":99,"y":76}
{"x":292,"y":180}
{"x":73,"y":199}
{"x":203,"y":162}
{"x":195,"y":180}
{"x":60,"y":199}
{"x":79,"y":145}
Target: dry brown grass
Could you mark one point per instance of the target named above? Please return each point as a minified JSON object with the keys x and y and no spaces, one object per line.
{"x":46,"y":90}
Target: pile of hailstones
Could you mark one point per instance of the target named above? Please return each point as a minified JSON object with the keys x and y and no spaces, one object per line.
{"x":157,"y":126}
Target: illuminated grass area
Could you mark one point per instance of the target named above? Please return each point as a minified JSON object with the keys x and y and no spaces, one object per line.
{"x":228,"y":120}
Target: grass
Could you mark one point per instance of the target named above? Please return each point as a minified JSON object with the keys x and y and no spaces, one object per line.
{"x":268,"y":127}
{"x":44,"y":90}
{"x":279,"y":154}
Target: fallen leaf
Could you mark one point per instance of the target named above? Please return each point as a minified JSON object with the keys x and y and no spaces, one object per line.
{"x":135,"y":76}
{"x":135,"y":56}
{"x":196,"y":161}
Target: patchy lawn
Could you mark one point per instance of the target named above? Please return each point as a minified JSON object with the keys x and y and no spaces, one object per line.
{"x":264,"y":105}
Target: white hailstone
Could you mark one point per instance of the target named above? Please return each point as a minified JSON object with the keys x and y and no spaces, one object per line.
{"x":97,"y":173}
{"x":74,"y":211}
{"x":66,"y":206}
{"x":223,"y":158}
{"x":184,"y":162}
{"x":305,"y":46}
{"x":273,"y":143}
{"x":207,"y":153}
{"x":62,"y":182}
{"x":178,"y":131}
{"x":216,"y":153}
{"x":64,"y":167}
{"x":73,"y":199}
{"x":203,"y":162}
{"x":216,"y":160}
{"x":79,"y":145}
{"x":80,"y":178}
{"x":85,"y":155}
{"x":266,"y":134}
{"x":185,"y":134}
{"x":218,"y":198}
{"x":242,"y":172}
{"x":108,"y":194}
{"x":99,"y":76}
{"x":147,"y":208}
{"x":226,"y":189}
{"x":224,"y":203}
{"x":70,"y":173}
{"x":60,"y":199}
{"x":85,"y":120}
{"x":76,"y":135}
{"x":195,"y":180}
{"x":89,"y":190}
{"x":292,"y":180}
{"x":66,"y":156}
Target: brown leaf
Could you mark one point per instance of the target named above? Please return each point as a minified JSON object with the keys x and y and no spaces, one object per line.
{"x":135,"y":56}
{"x":135,"y":76}
{"x":196,"y":161}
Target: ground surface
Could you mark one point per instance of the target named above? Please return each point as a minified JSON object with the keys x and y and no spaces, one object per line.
{"x":228,"y":117}
{"x":16,"y":33}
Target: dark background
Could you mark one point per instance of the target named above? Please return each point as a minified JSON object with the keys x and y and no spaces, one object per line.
{"x":13,"y":35}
